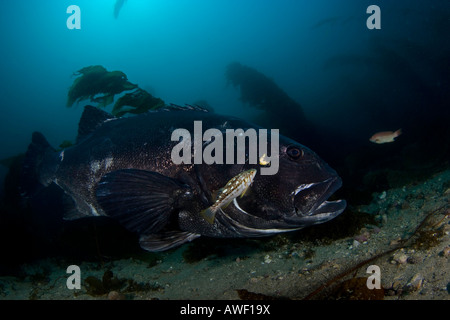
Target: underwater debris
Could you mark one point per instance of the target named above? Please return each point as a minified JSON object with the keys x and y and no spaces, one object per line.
{"x":428,"y":238}
{"x":96,"y":80}
{"x":430,"y":233}
{"x":139,"y":101}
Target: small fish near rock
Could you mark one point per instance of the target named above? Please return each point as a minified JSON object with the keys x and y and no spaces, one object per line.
{"x":385,"y":136}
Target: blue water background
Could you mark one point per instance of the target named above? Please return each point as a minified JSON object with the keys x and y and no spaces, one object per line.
{"x":178,"y":51}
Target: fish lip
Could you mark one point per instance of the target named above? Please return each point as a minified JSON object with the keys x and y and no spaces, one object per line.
{"x":321,"y":205}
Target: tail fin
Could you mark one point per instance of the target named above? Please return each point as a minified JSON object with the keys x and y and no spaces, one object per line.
{"x":38,"y":150}
{"x":209,"y":214}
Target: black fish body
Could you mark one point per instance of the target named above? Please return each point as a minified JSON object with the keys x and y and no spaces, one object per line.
{"x":122,"y":168}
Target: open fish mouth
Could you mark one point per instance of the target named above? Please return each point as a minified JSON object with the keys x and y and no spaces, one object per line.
{"x":311,"y":205}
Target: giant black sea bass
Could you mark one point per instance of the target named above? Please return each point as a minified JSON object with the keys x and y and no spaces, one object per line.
{"x":123,"y":168}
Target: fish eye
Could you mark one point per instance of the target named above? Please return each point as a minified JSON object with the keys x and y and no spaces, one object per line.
{"x":294,"y":152}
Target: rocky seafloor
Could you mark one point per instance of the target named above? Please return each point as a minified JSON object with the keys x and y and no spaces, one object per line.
{"x":404,"y":231}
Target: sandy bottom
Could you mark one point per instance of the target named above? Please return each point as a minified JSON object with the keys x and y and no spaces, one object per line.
{"x":410,"y":243}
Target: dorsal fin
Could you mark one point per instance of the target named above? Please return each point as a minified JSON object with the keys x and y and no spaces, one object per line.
{"x":196,"y":107}
{"x":91,"y":118}
{"x":186,"y":107}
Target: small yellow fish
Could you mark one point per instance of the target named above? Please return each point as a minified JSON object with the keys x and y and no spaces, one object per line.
{"x":238,"y":185}
{"x":385,"y":136}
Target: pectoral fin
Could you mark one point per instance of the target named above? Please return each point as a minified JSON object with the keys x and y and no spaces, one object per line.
{"x":142,"y":201}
